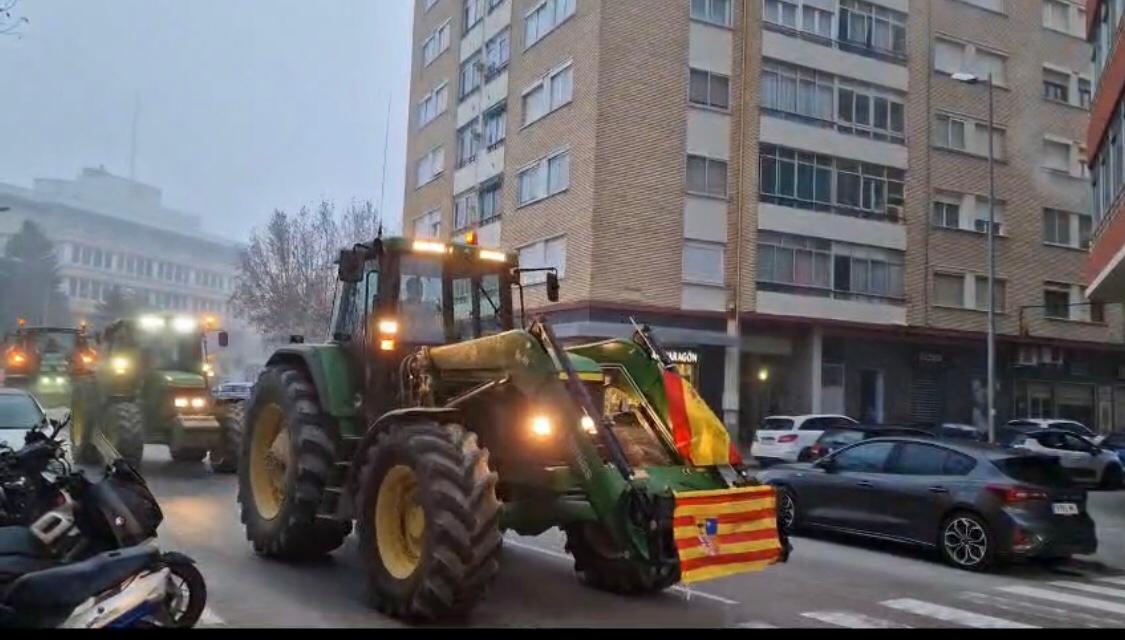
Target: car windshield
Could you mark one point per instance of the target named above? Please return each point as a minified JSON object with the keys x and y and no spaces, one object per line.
{"x":1038,"y":470}
{"x":18,"y":412}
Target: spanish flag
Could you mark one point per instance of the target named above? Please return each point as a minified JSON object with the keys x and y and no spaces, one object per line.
{"x":701,"y":438}
{"x":726,"y":531}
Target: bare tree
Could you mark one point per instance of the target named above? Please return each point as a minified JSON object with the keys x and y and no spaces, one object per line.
{"x":11,"y":22}
{"x":287,"y":277}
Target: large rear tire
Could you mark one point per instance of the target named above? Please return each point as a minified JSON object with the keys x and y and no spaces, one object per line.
{"x":284,"y":468}
{"x":126,"y":432}
{"x":429,"y":520}
{"x":224,"y":458}
{"x":599,"y":564}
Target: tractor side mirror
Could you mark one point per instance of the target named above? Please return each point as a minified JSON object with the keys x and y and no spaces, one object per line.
{"x":224,"y":338}
{"x":552,"y":286}
{"x":296,"y":339}
{"x":350,"y":267}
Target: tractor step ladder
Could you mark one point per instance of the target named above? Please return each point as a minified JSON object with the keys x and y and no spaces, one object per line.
{"x":337,"y":478}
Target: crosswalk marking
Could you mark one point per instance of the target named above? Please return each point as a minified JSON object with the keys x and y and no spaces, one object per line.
{"x":1068,"y":598}
{"x":853,"y":620}
{"x":755,"y":625}
{"x":1027,"y":609}
{"x":1092,"y":588}
{"x":1114,"y":580}
{"x":956,"y":616}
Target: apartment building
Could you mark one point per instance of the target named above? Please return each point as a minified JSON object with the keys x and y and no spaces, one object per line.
{"x":1105,"y":270}
{"x":793,"y":193}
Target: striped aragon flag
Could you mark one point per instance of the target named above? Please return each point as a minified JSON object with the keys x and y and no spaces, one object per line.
{"x":701,"y":438}
{"x":726,"y":531}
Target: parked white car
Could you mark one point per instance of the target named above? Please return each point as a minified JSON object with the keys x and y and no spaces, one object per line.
{"x":782,"y":438}
{"x":1077,"y":428}
{"x":1085,"y":461}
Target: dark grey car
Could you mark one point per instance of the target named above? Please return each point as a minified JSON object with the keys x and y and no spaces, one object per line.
{"x":975,"y":503}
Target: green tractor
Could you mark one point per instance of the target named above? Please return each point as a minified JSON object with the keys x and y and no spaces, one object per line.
{"x":153,"y":387}
{"x":434,"y":425}
{"x":46,"y":361}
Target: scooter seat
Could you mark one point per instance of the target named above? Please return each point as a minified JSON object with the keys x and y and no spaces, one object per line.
{"x":19,"y":541}
{"x":69,"y":585}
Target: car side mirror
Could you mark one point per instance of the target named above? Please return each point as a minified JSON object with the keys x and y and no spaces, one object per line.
{"x":224,"y":338}
{"x":825,"y":464}
{"x":552,"y":286}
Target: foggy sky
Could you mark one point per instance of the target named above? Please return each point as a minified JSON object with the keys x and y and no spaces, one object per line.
{"x":245,"y":105}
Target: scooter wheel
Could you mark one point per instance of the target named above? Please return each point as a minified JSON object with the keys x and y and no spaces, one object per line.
{"x":187,"y":595}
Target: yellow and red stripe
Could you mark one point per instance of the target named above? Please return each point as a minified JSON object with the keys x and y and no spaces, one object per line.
{"x":723,"y":532}
{"x":700,"y":437}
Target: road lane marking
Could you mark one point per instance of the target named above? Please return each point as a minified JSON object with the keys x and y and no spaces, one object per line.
{"x":853,"y":620}
{"x":1114,"y":580}
{"x":687,"y":593}
{"x":1040,"y":610}
{"x":1092,"y":588}
{"x":211,"y":619}
{"x":956,"y":616}
{"x":1067,"y":598}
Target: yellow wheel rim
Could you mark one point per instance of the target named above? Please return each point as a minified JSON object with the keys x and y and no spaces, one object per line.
{"x":400,"y":522}
{"x":269,"y":460}
{"x":77,"y":427}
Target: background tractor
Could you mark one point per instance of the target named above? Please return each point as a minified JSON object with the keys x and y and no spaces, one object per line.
{"x":434,"y":425}
{"x":153,"y":387}
{"x":46,"y":361}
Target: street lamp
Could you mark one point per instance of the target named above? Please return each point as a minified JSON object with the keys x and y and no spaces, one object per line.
{"x":969,"y":78}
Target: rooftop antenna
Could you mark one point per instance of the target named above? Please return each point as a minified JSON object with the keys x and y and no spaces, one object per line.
{"x":383,"y":171}
{"x":133,"y":137}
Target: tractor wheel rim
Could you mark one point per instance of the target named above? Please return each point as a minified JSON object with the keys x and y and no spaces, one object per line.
{"x":965,"y":541}
{"x":269,"y":461}
{"x":400,"y":522}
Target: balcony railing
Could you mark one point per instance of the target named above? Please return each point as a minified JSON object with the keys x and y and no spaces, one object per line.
{"x":849,"y":46}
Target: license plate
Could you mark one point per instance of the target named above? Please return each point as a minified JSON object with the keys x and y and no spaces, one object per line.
{"x":1065,"y":509}
{"x":768,"y":440}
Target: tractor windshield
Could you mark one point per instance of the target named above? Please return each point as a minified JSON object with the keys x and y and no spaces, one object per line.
{"x":61,"y":342}
{"x":420,"y":295}
{"x":442,"y":301}
{"x":175,"y":353}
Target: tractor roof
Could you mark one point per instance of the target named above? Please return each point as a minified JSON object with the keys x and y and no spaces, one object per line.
{"x":452,"y":249}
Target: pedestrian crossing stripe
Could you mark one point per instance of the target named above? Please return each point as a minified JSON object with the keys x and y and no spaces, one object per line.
{"x":853,"y":620}
{"x":951,"y":614}
{"x":1092,"y":588}
{"x":1066,"y":598}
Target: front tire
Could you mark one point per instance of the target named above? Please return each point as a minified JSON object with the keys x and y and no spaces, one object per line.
{"x":788,"y":517}
{"x":187,"y":596}
{"x":429,"y":520}
{"x":966,"y":542}
{"x":126,"y":431}
{"x":224,"y":459}
{"x":284,"y":467}
{"x":601,"y":565}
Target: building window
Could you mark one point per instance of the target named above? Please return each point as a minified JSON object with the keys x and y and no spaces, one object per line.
{"x":825,"y":183}
{"x":491,"y":201}
{"x":815,"y":266}
{"x":949,"y":132}
{"x":946,"y":215}
{"x":949,"y":290}
{"x":1084,"y":93}
{"x":706,"y":176}
{"x":544,"y":18}
{"x":780,"y":12}
{"x":467,"y":142}
{"x":797,"y":91}
{"x":1066,"y":228}
{"x":951,"y":56}
{"x":495,"y":124}
{"x":959,"y":134}
{"x":553,"y":91}
{"x":872,"y":27}
{"x":1056,"y":15}
{"x":545,"y":178}
{"x":430,"y":166}
{"x":709,"y":89}
{"x":428,"y":225}
{"x":703,"y":262}
{"x":470,"y":77}
{"x":1056,"y":300}
{"x":540,"y":255}
{"x":713,"y":11}
{"x":471,"y":13}
{"x":465,"y":211}
{"x":1056,"y":155}
{"x":497,"y":53}
{"x":864,"y":110}
{"x":433,"y":104}
{"x":1056,"y":86}
{"x":982,"y":294}
{"x":435,"y":44}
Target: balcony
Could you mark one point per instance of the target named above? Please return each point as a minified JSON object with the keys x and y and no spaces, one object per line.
{"x":829,"y":305}
{"x":787,"y":45}
{"x":866,"y":50}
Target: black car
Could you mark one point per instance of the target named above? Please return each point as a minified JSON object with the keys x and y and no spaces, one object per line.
{"x":975,"y":503}
{"x":838,"y":438}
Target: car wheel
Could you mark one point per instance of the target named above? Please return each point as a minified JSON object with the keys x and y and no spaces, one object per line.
{"x":966,"y":541}
{"x":1112,"y":477}
{"x":787,"y":519}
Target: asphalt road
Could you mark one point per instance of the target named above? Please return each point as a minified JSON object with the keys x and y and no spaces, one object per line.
{"x":829,"y":582}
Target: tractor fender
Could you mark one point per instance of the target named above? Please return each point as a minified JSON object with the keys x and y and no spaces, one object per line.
{"x":328,"y":367}
{"x":383,"y":423}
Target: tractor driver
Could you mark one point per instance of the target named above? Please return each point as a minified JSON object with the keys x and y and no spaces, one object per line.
{"x":421,"y":318}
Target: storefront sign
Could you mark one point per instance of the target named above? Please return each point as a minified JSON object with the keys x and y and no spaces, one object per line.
{"x":683,"y":357}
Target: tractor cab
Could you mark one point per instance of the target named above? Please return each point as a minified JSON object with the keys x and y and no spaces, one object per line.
{"x":45,"y":359}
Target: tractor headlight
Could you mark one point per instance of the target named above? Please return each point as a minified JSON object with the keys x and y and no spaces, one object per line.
{"x":60,"y":380}
{"x":184,"y":324}
{"x":180,"y":403}
{"x":541,"y":426}
{"x":198,"y":403}
{"x":588,"y":424}
{"x":120,"y":365}
{"x":208,"y":370}
{"x":151,"y":323}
